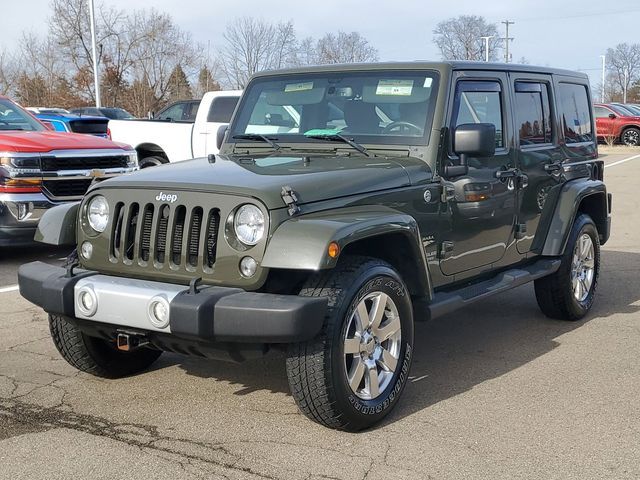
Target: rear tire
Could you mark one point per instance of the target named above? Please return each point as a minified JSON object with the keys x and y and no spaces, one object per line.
{"x":568,"y":293}
{"x":631,"y":137}
{"x":351,"y":375}
{"x":95,"y":355}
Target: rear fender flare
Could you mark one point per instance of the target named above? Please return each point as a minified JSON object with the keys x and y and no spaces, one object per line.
{"x":570,"y":198}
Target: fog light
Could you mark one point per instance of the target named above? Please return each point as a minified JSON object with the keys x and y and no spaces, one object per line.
{"x":86,"y":250}
{"x":248,"y":267}
{"x":87,"y":301}
{"x":158,"y":311}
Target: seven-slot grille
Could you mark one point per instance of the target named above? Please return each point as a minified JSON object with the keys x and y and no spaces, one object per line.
{"x":151,"y":234}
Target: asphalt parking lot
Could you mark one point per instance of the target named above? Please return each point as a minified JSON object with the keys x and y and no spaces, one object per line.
{"x":496,"y":391}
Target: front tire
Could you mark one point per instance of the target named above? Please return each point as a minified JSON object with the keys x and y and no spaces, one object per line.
{"x":95,"y":355}
{"x":352,"y":374}
{"x":568,"y":293}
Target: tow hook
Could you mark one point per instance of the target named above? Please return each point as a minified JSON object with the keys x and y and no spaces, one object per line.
{"x":127,"y":342}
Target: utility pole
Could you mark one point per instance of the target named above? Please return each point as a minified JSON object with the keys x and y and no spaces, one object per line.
{"x":626,"y":82}
{"x":507,"y":39}
{"x":604,"y":59}
{"x":96,"y":76}
{"x":486,"y":47}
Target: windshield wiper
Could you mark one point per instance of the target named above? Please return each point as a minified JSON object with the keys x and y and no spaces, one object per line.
{"x":337,"y":137}
{"x":258,"y":137}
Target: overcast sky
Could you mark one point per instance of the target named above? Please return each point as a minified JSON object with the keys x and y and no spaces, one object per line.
{"x":562,"y":33}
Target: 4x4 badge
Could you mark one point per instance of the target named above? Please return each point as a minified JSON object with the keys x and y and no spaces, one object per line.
{"x":167,"y":197}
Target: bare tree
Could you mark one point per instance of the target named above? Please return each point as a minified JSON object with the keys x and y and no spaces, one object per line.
{"x":459,"y":38}
{"x":623,"y":64}
{"x":8,"y":73}
{"x":252,"y":45}
{"x":345,"y":48}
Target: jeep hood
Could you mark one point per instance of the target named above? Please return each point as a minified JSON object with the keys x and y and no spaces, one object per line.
{"x":313,"y":178}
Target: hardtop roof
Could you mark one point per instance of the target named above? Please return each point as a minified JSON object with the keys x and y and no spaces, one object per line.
{"x":426,"y":65}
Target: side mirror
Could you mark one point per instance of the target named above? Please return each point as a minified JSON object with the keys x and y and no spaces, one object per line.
{"x":48,"y":125}
{"x":612,"y":116}
{"x":222,"y":131}
{"x":471,"y":139}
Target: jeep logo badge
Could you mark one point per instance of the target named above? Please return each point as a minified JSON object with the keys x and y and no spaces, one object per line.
{"x":167,"y":197}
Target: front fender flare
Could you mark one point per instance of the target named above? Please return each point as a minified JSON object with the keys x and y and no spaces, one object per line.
{"x":58,"y":225}
{"x":301,"y":243}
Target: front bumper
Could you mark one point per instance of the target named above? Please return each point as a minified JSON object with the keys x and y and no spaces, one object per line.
{"x":208,"y":314}
{"x":19,"y":217}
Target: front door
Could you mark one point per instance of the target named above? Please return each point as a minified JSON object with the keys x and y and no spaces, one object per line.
{"x":481,"y":207}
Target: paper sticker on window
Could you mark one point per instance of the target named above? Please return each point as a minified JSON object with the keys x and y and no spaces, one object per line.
{"x":394,"y":87}
{"x":427,"y":82}
{"x":298,"y":87}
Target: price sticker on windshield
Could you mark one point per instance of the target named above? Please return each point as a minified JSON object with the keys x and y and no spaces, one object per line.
{"x":395,"y":87}
{"x":298,"y":87}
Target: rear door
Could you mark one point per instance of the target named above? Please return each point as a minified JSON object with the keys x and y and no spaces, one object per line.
{"x":539,"y":156}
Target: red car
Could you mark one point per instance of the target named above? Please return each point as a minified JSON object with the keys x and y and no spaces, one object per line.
{"x":613,"y":121}
{"x":40,"y":168}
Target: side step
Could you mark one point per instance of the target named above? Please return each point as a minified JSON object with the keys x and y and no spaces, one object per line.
{"x":446,"y":302}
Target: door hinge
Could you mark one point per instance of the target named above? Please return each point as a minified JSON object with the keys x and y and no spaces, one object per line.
{"x":445,"y":248}
{"x":448,"y":193}
{"x":290,"y":199}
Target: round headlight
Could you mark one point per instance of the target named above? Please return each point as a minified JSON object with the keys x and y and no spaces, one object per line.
{"x":98,"y":213}
{"x":248,"y":224}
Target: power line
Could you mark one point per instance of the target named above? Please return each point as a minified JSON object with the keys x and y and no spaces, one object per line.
{"x":507,"y":39}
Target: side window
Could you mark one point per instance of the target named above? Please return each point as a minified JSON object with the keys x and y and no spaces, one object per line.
{"x":479,"y":102}
{"x":602,"y":112}
{"x":174,"y":113}
{"x":533,"y":117}
{"x":221,"y":109}
{"x":575,"y":113}
{"x":191,"y":110}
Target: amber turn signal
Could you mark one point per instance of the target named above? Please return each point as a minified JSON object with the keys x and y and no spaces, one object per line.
{"x":334,"y":250}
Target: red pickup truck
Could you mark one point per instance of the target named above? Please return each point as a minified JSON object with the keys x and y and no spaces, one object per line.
{"x":617,"y":123}
{"x":40,"y":168}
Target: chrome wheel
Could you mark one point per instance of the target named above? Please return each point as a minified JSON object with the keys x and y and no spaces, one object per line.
{"x":631,"y":137}
{"x":372,"y":345}
{"x":583,"y":267}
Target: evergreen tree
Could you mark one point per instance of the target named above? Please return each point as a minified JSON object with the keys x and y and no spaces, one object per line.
{"x":178,"y":85}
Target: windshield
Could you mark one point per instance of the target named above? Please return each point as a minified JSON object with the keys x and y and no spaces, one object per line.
{"x":386,"y":107}
{"x":12,"y":117}
{"x":622,"y":110}
{"x":116,"y":113}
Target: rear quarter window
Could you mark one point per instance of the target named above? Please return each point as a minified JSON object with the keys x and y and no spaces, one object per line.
{"x":221,"y":109}
{"x":575,"y":113}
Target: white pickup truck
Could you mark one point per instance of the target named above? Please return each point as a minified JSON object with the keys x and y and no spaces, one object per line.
{"x":161,"y":141}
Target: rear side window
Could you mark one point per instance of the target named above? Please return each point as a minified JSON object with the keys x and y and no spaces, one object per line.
{"x":221,"y":109}
{"x":479,"y":102}
{"x":575,"y":113}
{"x":533,"y":117}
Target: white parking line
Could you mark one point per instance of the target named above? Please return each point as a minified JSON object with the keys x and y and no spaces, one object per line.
{"x":622,"y":161}
{"x":10,"y":288}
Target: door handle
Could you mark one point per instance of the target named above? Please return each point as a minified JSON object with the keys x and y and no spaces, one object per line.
{"x":553,"y":167}
{"x":509,"y":173}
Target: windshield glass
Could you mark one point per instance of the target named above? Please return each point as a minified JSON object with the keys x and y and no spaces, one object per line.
{"x":386,"y":107}
{"x":12,"y":117}
{"x":622,"y":110}
{"x":116,"y":113}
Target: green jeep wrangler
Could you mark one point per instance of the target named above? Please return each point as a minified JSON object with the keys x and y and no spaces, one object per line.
{"x":346,"y":203}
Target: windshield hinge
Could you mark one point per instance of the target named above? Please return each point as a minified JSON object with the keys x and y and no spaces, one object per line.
{"x":290,"y":199}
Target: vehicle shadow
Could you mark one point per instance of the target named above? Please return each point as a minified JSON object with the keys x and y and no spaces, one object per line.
{"x":464,"y":349}
{"x":12,"y":257}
